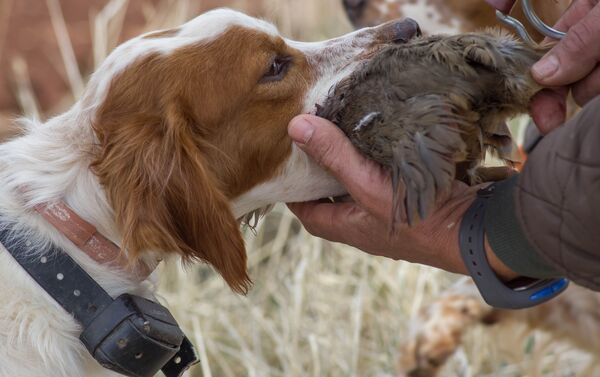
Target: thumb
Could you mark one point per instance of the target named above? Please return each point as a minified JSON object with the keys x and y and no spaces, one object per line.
{"x":326,"y":144}
{"x":576,"y":55}
{"x":366,"y":181}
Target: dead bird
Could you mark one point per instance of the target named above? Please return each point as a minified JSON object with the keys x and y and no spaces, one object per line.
{"x":429,"y":110}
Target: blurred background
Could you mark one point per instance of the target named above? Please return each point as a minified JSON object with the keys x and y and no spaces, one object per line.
{"x":316,"y":309}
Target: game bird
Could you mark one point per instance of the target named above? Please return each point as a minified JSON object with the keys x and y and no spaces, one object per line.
{"x":430,"y":109}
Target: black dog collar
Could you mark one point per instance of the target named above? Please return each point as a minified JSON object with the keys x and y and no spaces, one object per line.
{"x":522,"y":293}
{"x":130,"y":335}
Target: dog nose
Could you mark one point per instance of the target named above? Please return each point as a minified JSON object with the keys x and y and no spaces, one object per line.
{"x":401,"y":31}
{"x":406,"y":29}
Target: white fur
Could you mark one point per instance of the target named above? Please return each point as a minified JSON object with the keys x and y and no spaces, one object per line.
{"x":301,"y":180}
{"x":430,"y":19}
{"x":51,"y":162}
{"x":333,"y":60}
{"x":203,"y":28}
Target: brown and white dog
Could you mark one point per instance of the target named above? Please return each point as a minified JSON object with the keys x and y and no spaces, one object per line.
{"x":447,"y":16}
{"x":180,"y":133}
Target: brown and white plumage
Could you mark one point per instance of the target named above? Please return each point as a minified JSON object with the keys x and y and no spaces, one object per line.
{"x":430,"y":108}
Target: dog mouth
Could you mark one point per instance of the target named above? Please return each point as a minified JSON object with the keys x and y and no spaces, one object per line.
{"x":394,"y":33}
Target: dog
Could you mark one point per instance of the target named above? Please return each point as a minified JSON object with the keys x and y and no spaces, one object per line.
{"x":438,"y":331}
{"x":179,"y":134}
{"x":447,"y":17}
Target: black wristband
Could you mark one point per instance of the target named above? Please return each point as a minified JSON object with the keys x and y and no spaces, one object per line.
{"x":522,"y":293}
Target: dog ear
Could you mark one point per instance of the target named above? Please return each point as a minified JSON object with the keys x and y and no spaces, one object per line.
{"x":165,"y":197}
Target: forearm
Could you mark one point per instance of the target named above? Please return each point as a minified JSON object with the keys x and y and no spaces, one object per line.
{"x":439,"y":240}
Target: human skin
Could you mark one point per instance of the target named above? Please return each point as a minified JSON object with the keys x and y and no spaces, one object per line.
{"x":363,"y":220}
{"x":571,"y":64}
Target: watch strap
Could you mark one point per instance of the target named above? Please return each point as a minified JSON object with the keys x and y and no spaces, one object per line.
{"x":495,"y":292}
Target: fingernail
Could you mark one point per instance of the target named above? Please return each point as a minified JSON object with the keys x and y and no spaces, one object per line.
{"x":301,"y":130}
{"x":546,"y":67}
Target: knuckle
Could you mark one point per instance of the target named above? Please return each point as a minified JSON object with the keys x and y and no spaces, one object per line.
{"x":578,"y":37}
{"x":580,"y":96}
{"x":319,"y":225}
{"x":587,"y":89}
{"x":311,"y":227}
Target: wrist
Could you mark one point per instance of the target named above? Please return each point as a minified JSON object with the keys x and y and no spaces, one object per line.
{"x":441,"y":235}
{"x":480,"y":261}
{"x":441,"y":238}
{"x":502,"y":270}
{"x":456,"y":264}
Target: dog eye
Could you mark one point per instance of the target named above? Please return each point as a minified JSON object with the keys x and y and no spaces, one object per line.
{"x":277,"y":70}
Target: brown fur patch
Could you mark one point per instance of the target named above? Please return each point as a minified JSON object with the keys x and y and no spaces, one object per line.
{"x":182,"y":134}
{"x":471,"y":14}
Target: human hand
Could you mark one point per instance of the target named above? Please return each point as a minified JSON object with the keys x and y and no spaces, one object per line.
{"x":364,"y":221}
{"x":571,"y":64}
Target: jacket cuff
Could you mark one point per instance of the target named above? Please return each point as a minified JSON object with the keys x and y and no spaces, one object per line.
{"x":506,"y":237}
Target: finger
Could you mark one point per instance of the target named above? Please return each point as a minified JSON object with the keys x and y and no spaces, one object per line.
{"x":503,"y":6}
{"x":548,"y":109}
{"x":588,"y":88}
{"x":366,"y":181}
{"x":575,"y":55}
{"x":349,"y":224}
{"x":324,"y":220}
{"x":574,"y":13}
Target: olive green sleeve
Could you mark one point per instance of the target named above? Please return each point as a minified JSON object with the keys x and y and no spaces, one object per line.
{"x":507,"y":238}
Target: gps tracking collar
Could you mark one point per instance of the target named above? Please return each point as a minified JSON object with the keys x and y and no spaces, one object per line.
{"x":130,"y":335}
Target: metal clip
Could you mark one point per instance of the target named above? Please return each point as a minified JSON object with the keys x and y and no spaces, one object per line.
{"x":533,"y":19}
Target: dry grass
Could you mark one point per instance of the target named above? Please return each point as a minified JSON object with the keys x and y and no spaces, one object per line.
{"x":317,"y":309}
{"x":327,"y":310}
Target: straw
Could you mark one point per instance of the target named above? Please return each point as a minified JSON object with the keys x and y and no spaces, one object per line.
{"x":24,"y":90}
{"x":66,"y":48}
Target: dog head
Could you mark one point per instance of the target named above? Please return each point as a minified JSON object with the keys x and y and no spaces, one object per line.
{"x":191,"y":125}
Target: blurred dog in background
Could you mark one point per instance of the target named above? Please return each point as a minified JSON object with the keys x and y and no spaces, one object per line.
{"x":446,"y":16}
